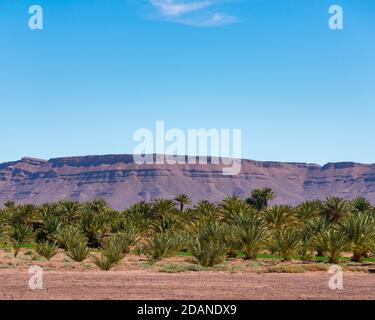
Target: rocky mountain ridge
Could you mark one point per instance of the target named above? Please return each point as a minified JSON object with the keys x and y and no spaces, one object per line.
{"x":120,"y":181}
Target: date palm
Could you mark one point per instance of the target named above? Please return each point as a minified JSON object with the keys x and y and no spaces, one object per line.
{"x":160,"y":245}
{"x":207,"y":210}
{"x":69,"y":210}
{"x":24,"y":214}
{"x":163,"y":207}
{"x":233,"y":206}
{"x":361,"y":205}
{"x":279,"y":216}
{"x":183,"y":201}
{"x":247,"y":234}
{"x":9,"y":204}
{"x":259,"y":198}
{"x":207,"y":243}
{"x":308,"y":210}
{"x":360,"y":231}
{"x":335,"y":209}
{"x":314,"y":227}
{"x":333,"y":242}
{"x":286,"y":242}
{"x":20,"y":234}
{"x":140,"y":214}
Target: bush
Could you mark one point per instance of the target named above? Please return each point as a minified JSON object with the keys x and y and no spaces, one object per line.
{"x":46,"y":249}
{"x":360,"y":231}
{"x":286,"y":242}
{"x":207,"y":245}
{"x":160,"y":245}
{"x":114,"y":248}
{"x":19,"y":235}
{"x":334,"y":243}
{"x":78,"y":249}
{"x":68,"y":236}
{"x":103,"y":263}
{"x":247,"y":235}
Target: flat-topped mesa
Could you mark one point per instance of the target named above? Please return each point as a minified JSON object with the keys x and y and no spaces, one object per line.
{"x":88,"y":161}
{"x":346,"y":165}
{"x":120,"y":181}
{"x":33,"y":161}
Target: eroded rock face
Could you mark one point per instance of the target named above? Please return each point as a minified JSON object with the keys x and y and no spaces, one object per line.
{"x":117,"y":179}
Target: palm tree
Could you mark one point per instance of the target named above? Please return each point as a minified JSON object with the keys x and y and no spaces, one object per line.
{"x":333,"y":242}
{"x":140,"y":214}
{"x":360,"y":231}
{"x":279,"y":216}
{"x":308,"y":209}
{"x":9,"y":204}
{"x":20,"y":234}
{"x":286,"y":242}
{"x":183,"y":200}
{"x":207,"y":210}
{"x":160,"y":245}
{"x":361,"y":205}
{"x":69,"y":210}
{"x":314,"y":227}
{"x":207,"y":243}
{"x":335,"y":208}
{"x":233,"y":206}
{"x":24,"y":214}
{"x":163,"y":207}
{"x":248,"y":234}
{"x":98,"y":205}
{"x":259,"y":198}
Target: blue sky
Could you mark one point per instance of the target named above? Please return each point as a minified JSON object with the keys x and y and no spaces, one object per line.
{"x":98,"y":71}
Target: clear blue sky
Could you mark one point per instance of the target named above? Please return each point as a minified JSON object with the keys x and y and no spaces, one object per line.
{"x":102,"y":69}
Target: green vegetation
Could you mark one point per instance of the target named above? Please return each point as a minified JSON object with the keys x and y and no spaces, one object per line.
{"x":334,"y":230}
{"x":46,"y":249}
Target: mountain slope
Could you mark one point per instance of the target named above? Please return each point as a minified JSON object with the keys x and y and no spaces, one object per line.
{"x":120,"y":181}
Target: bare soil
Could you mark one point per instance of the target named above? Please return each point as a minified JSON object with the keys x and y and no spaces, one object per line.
{"x":138,"y":285}
{"x":178,"y":278}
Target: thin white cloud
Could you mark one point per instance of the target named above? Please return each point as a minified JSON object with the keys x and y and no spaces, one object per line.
{"x":174,"y":8}
{"x":192,"y":12}
{"x":219,"y":19}
{"x":214,"y":20}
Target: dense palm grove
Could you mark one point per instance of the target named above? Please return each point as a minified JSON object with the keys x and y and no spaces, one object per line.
{"x":210,"y":232}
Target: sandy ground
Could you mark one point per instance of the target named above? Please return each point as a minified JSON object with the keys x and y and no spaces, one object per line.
{"x":135,"y":279}
{"x":144,"y":284}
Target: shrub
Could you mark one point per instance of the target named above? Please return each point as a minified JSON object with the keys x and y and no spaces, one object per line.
{"x":360,"y":231}
{"x":279,"y":216}
{"x":46,"y":249}
{"x":286,"y":242}
{"x":78,"y":249}
{"x":114,"y":248}
{"x":67,"y":236}
{"x":19,"y":235}
{"x":248,"y":235}
{"x":333,"y":242}
{"x":207,"y":245}
{"x":160,"y":245}
{"x":103,"y":263}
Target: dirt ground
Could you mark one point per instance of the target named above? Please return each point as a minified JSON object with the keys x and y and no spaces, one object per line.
{"x":138,"y":285}
{"x":178,"y":278}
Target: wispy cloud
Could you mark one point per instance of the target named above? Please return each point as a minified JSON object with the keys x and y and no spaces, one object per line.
{"x":175,"y":9}
{"x":192,"y":12}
